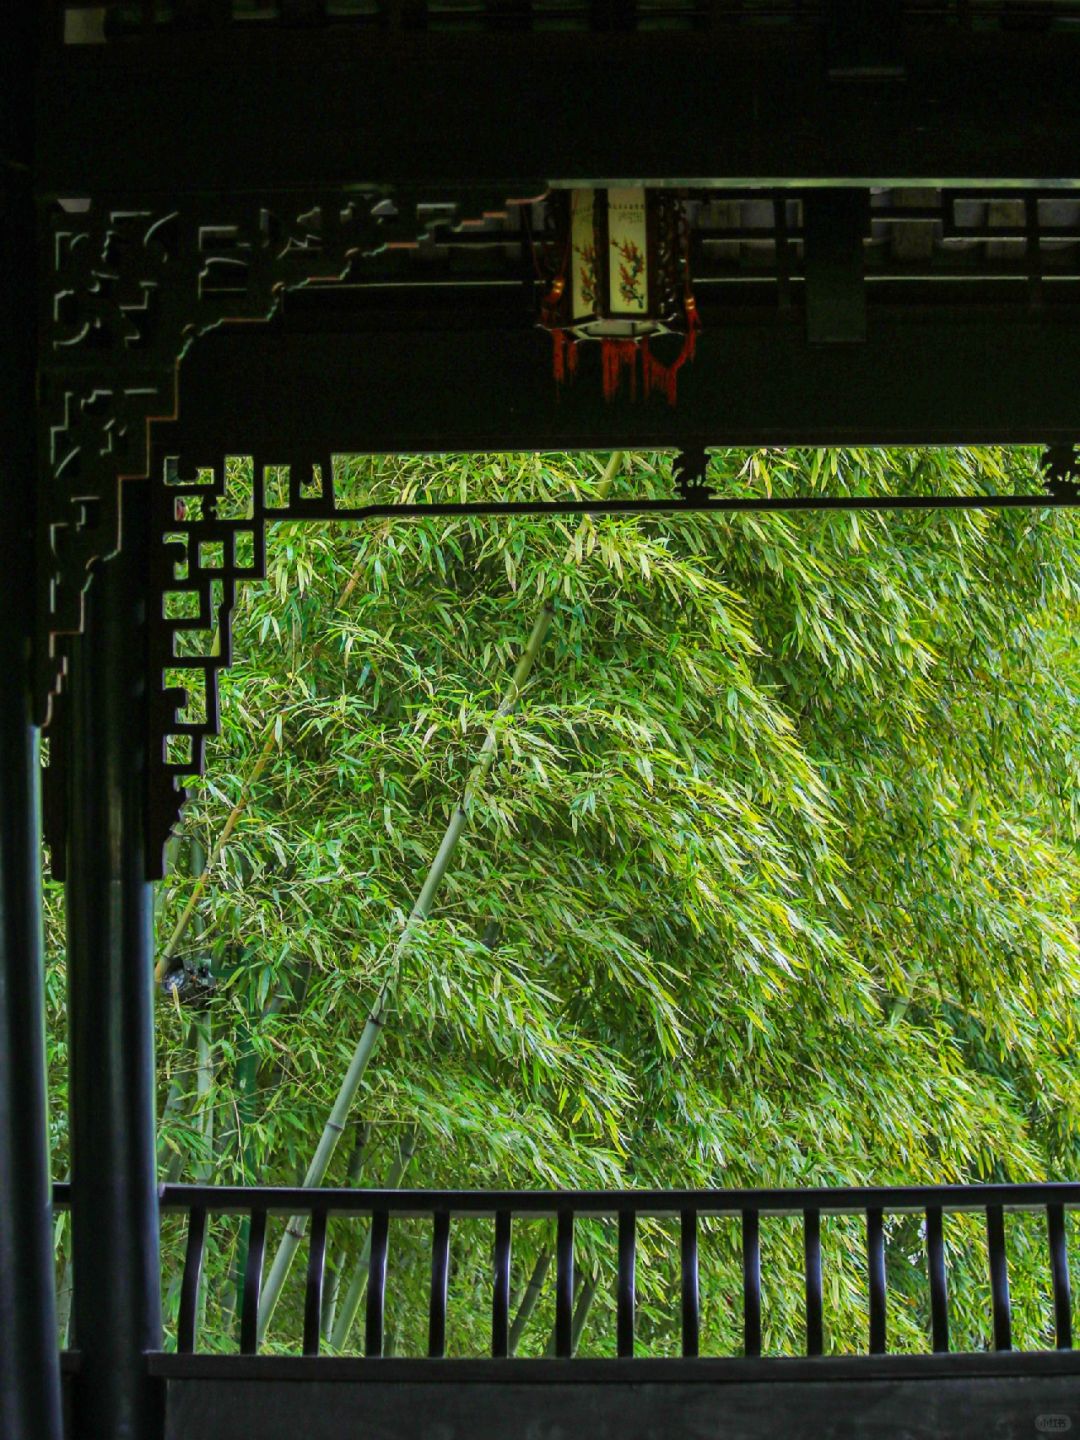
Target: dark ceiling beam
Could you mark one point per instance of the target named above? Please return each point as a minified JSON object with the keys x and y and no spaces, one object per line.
{"x":941,"y":375}
{"x":240,"y":111}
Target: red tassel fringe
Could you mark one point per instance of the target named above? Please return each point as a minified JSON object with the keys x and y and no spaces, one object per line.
{"x":658,"y":376}
{"x":618,"y":357}
{"x":618,"y":361}
{"x":564,"y":356}
{"x":558,"y":355}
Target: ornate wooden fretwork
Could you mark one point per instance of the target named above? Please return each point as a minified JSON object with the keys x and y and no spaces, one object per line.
{"x":209,"y":529}
{"x":127,"y":289}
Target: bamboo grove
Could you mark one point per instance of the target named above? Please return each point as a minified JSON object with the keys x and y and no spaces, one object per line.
{"x":763,"y":872}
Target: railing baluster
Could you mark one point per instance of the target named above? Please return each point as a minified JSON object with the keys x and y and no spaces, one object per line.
{"x":313,"y":1291}
{"x":815,"y":1338}
{"x":875,"y":1264}
{"x":999,"y":1277}
{"x":500,"y":1297}
{"x":376,"y":1290}
{"x":564,"y":1285}
{"x":440,"y":1280}
{"x":691,"y":1315}
{"x":626,"y":1300}
{"x":253,"y":1268}
{"x":939,"y":1291}
{"x":189,"y":1289}
{"x":751,"y":1261}
{"x":1059,"y":1270}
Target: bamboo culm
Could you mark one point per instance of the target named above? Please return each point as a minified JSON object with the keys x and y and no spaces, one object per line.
{"x":529,"y":1298}
{"x":372,"y":1032}
{"x":188,"y":912}
{"x":585,"y":1298}
{"x":369,"y":1039}
{"x":339,"y":1334}
{"x":335,"y":1270}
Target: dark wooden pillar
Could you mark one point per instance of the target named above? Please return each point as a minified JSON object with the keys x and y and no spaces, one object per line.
{"x":29,"y":1351}
{"x":29,"y":1373}
{"x":29,"y":1355}
{"x":117,"y":1302}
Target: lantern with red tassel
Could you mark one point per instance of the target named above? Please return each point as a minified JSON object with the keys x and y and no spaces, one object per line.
{"x":622,"y":278}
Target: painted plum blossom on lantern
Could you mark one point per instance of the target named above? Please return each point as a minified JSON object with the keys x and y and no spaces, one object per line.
{"x":631,"y":268}
{"x":587,"y":279}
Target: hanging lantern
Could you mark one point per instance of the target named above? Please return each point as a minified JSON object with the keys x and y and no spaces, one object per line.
{"x":622,"y":279}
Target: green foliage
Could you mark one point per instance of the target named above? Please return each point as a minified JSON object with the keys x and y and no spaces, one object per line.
{"x":771,"y":882}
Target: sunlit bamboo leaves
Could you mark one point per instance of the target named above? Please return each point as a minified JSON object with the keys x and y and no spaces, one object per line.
{"x":779,"y":848}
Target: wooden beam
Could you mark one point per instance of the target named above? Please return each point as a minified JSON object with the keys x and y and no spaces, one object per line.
{"x":394,"y":382}
{"x":240,"y":110}
{"x":634,"y":1402}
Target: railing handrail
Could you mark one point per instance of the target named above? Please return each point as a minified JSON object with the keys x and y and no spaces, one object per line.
{"x":826,"y":1200}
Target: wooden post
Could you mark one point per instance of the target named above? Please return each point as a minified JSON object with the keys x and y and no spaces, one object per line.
{"x":117,"y":1305}
{"x":29,"y":1355}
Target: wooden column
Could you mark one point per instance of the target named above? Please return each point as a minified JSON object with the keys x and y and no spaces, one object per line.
{"x":29,"y":1357}
{"x":117,"y":1301}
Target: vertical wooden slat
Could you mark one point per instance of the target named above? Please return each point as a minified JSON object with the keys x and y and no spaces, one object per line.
{"x":689,"y":1271}
{"x":815,"y":1338}
{"x":189,"y":1289}
{"x":875,"y":1264}
{"x":939,"y":1292}
{"x":999,"y":1277}
{"x":500,"y":1298}
{"x":376,"y":1292}
{"x":1059,"y":1270}
{"x":440,"y":1280}
{"x":253,"y":1268}
{"x":751,"y":1248}
{"x":564,"y":1285}
{"x":313,"y":1291}
{"x":626,"y":1299}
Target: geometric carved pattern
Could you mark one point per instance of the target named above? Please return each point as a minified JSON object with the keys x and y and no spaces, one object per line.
{"x":127,"y":290}
{"x":208,"y":534}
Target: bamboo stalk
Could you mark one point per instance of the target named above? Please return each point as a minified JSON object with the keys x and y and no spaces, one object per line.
{"x":352,"y":1179}
{"x":204,"y":1084}
{"x":64,"y":1293}
{"x":65,"y":1286}
{"x":529,"y":1298}
{"x":166,"y":1156}
{"x":358,"y":1279}
{"x":204,"y":1050}
{"x":177,"y":1086}
{"x":369,"y":1039}
{"x":372,"y":1032}
{"x":231,"y":822}
{"x":245,"y":1080}
{"x":196,"y":1040}
{"x":586,"y":1296}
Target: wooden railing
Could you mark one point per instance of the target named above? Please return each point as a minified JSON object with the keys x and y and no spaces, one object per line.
{"x":623,"y":1210}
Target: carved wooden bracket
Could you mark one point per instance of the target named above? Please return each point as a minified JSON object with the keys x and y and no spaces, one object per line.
{"x":126,"y":288}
